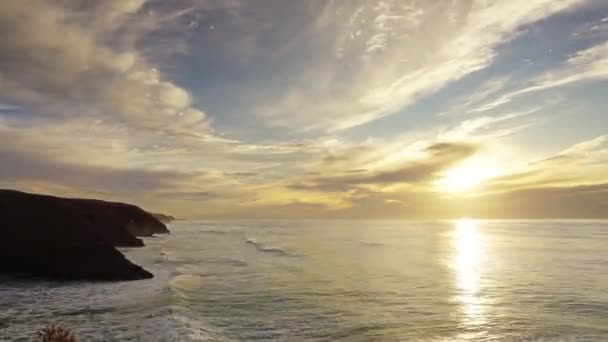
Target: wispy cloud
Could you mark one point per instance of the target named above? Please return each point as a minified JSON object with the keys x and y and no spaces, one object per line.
{"x":581,"y":164}
{"x":436,"y":45}
{"x":438,"y":157}
{"x":485,"y":127}
{"x":35,"y":170}
{"x":585,"y":66}
{"x":488,"y":88}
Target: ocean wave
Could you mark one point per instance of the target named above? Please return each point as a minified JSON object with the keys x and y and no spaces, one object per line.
{"x":237,"y":262}
{"x":214,"y":232}
{"x":88,"y":310}
{"x":372,"y":244}
{"x":196,"y":329}
{"x":271,"y":249}
{"x":186,"y":281}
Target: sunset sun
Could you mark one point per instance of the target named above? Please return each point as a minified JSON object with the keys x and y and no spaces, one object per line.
{"x":465,"y":178}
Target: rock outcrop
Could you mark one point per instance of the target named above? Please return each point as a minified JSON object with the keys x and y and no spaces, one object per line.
{"x":164,"y":218}
{"x":63,"y":238}
{"x":118,"y":216}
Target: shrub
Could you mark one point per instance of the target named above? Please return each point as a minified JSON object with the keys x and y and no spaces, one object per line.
{"x":55,"y":333}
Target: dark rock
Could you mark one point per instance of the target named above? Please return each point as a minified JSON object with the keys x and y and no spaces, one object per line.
{"x":119,"y":224}
{"x":163,"y":217}
{"x":127,"y":217}
{"x":68,"y":238}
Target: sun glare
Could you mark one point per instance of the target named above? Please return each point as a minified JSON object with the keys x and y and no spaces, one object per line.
{"x":467,"y":269}
{"x":464,"y":178}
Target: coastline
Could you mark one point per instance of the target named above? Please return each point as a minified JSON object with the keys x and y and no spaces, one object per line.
{"x":72,"y":239}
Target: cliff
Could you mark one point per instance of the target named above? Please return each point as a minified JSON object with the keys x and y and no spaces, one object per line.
{"x":71,"y":238}
{"x":117,"y":216}
{"x":163,"y":217}
{"x":119,"y":224}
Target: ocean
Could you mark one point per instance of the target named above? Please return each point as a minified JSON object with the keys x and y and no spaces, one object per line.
{"x":463,"y":280}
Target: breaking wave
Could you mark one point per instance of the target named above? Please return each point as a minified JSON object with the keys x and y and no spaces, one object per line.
{"x":271,"y":249}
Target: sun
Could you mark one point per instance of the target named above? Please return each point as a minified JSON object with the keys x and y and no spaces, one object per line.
{"x":465,"y":177}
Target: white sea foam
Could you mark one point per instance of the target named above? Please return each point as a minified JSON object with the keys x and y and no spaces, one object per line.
{"x":269,"y":248}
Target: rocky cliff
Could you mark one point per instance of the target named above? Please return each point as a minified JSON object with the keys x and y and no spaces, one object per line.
{"x":71,"y":238}
{"x":163,"y":217}
{"x":118,"y":216}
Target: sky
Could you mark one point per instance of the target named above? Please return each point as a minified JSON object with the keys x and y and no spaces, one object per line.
{"x":328,"y":109}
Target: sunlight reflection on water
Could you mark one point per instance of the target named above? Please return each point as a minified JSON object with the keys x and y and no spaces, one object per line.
{"x":466,"y":266}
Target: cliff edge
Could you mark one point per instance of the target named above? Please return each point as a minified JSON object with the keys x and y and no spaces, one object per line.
{"x":65,"y":238}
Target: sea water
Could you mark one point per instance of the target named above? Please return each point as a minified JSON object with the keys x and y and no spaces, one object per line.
{"x":339,"y":281}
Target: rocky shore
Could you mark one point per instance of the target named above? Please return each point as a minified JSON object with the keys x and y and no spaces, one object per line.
{"x":75,"y":239}
{"x":163,"y":217}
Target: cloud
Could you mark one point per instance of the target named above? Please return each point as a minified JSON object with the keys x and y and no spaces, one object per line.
{"x":587,"y":153}
{"x":585,"y":66}
{"x":542,"y":202}
{"x":53,"y":158}
{"x":377,"y":72}
{"x":581,"y":164}
{"x":579,"y":201}
{"x":485,"y":127}
{"x":20,"y":168}
{"x":594,"y":29}
{"x":589,"y":64}
{"x":197,"y":196}
{"x":41,"y":171}
{"x":87,"y":157}
{"x":72,"y":59}
{"x":106,"y":98}
{"x":439,"y":156}
{"x":485,"y":90}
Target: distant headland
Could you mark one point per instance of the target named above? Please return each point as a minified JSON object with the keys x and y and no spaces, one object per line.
{"x":72,"y":239}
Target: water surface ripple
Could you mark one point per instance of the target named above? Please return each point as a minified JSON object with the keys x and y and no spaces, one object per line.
{"x":339,"y":281}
